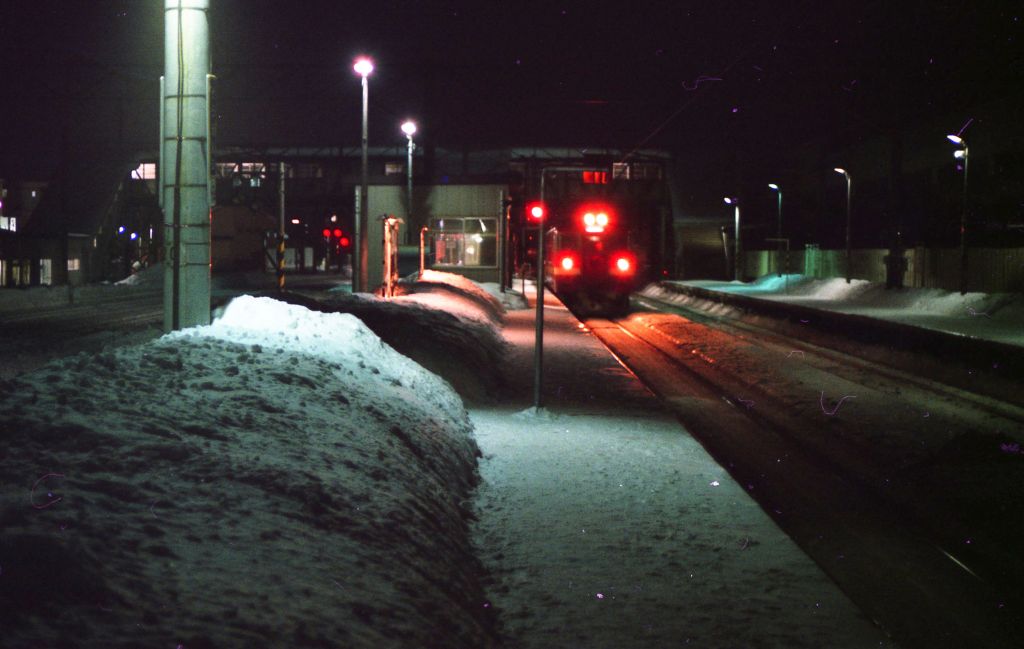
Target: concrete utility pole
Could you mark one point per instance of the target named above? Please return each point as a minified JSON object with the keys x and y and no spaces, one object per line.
{"x":185,"y":184}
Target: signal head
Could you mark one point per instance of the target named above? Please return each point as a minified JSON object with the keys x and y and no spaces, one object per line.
{"x":536,"y":212}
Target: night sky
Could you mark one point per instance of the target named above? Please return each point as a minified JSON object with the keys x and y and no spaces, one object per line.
{"x":737,"y":89}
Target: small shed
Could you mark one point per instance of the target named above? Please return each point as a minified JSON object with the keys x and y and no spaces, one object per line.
{"x":465,"y":233}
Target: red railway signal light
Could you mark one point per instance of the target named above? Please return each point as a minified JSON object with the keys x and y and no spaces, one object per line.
{"x":536,"y":211}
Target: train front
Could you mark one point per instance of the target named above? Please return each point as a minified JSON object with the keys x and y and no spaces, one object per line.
{"x":591,"y":267}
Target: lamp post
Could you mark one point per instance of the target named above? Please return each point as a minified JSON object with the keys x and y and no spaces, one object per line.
{"x":737,"y":272}
{"x":409,"y":128}
{"x":961,"y":154}
{"x":363,"y":67}
{"x":778,"y":232}
{"x":840,"y":170}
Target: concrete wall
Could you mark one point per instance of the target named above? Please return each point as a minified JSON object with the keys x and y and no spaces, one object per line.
{"x":989,"y":270}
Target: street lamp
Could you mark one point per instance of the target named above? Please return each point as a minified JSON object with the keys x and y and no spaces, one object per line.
{"x":778,"y":234}
{"x":735,"y":202}
{"x":840,"y":170}
{"x":363,"y":67}
{"x":961,"y":154}
{"x":409,"y":128}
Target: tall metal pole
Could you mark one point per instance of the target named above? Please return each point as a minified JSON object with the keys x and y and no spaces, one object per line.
{"x":736,"y":249}
{"x":538,"y":348}
{"x":779,"y":234}
{"x":848,"y":187}
{"x":186,"y":148}
{"x":779,"y":229}
{"x":408,"y":212}
{"x":280,"y":231}
{"x":359,"y":266}
{"x":963,"y":230}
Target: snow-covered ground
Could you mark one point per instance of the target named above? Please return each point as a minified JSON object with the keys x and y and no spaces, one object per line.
{"x":604,"y":524}
{"x":283,"y":477}
{"x":997,"y":316}
{"x":279,"y":478}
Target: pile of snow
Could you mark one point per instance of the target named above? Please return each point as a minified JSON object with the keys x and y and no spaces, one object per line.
{"x":279,"y":478}
{"x":450,"y":285}
{"x":993,"y":316}
{"x":448,"y":324}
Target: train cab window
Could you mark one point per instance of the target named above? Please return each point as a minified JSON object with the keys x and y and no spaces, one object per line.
{"x":464,"y":241}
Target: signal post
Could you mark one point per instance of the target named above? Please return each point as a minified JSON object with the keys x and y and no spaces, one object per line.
{"x":536,"y":212}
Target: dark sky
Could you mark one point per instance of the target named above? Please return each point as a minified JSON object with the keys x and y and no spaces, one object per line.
{"x":760,"y":78}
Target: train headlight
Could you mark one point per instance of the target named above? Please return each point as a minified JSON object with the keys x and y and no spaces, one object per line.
{"x":623,"y":264}
{"x":567,"y":263}
{"x":602,"y":219}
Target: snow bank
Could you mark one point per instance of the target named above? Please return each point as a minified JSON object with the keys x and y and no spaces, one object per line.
{"x":456,"y":286}
{"x":453,"y":331}
{"x":991,"y":316}
{"x":279,"y":478}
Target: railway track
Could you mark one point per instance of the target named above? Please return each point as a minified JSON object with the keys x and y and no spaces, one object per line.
{"x":836,"y":450}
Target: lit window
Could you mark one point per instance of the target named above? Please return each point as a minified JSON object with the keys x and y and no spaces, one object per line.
{"x":145,"y":171}
{"x":464,"y":241}
{"x":74,"y":264}
{"x":8,"y":223}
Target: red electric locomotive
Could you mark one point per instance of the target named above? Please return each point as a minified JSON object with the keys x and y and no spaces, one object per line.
{"x":604,"y":237}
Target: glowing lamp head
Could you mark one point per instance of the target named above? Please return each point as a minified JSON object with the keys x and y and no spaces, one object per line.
{"x":840,"y":170}
{"x":730,"y":200}
{"x":959,"y":154}
{"x":773,"y":186}
{"x":337,"y":233}
{"x":409,"y":128}
{"x":327,"y":233}
{"x":595,"y":219}
{"x":955,"y":139}
{"x":535,"y":212}
{"x":344,"y":242}
{"x":363,"y":66}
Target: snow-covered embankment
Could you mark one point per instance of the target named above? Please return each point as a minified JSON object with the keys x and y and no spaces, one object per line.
{"x":278,"y":478}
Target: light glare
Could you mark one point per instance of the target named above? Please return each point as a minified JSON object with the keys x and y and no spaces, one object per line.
{"x":409,"y":127}
{"x":955,"y":139}
{"x":363,"y":67}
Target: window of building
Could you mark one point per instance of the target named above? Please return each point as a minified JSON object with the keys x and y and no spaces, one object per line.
{"x":145,"y":171}
{"x":45,"y":272}
{"x":464,"y":241}
{"x":74,"y":264}
{"x":9,"y":223}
